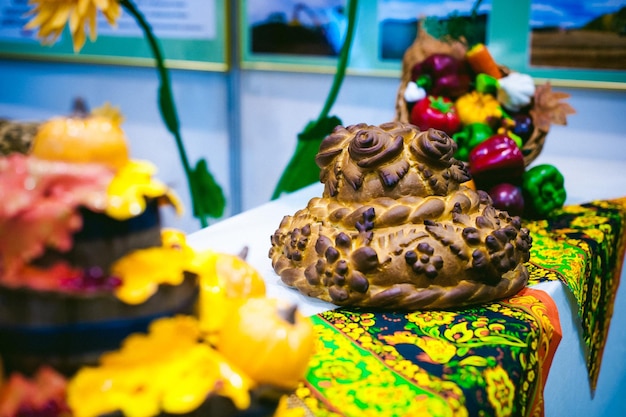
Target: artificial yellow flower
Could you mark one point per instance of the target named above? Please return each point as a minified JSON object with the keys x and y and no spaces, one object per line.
{"x":143,"y":270}
{"x":166,"y":370}
{"x":131,"y":186}
{"x":50,"y":16}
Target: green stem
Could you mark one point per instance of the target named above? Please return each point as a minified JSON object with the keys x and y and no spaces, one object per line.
{"x":167,"y":106}
{"x":343,"y":60}
{"x":475,"y":7}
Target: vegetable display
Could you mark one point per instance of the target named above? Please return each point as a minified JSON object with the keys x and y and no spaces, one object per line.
{"x":498,"y":119}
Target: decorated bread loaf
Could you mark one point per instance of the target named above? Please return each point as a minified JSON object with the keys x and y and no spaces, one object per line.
{"x":396,"y":228}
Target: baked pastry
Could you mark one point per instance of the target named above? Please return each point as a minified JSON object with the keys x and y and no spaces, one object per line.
{"x":396,"y":228}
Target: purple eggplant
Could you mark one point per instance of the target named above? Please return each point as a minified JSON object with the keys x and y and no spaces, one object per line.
{"x":508,"y":197}
{"x":442,"y":75}
{"x":523,"y":127}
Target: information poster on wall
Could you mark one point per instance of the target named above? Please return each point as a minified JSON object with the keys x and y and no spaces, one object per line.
{"x":569,"y":42}
{"x":192,"y":35}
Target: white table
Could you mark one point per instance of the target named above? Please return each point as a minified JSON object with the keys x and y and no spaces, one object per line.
{"x":567,"y":391}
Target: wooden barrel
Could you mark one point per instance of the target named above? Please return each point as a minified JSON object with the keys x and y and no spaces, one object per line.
{"x":67,"y":331}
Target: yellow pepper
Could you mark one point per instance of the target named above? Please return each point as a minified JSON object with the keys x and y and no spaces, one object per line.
{"x":478,"y":107}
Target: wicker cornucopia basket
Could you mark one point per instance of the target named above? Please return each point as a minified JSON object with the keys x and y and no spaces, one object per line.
{"x":545,"y":107}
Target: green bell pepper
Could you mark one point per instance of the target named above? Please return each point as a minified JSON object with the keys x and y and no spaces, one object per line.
{"x":486,"y":84}
{"x":470,"y":136}
{"x":543,"y":187}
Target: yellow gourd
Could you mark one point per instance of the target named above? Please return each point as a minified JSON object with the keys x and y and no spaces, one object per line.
{"x":270,"y":341}
{"x":90,"y":138}
{"x":226,"y":281}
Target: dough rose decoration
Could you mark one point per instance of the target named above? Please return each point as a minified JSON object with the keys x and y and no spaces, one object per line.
{"x":397,"y":228}
{"x":372,"y":150}
{"x":369,"y":151}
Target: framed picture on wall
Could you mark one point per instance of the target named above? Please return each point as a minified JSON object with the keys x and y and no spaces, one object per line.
{"x":293,"y":35}
{"x":398,"y":21}
{"x":192,"y":35}
{"x":569,"y":42}
{"x":578,"y":34}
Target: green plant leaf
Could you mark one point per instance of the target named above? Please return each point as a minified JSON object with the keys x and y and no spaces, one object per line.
{"x":302,"y":169}
{"x":210,"y":200}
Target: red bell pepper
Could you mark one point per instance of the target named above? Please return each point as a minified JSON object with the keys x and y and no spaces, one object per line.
{"x":436,"y":113}
{"x":496,"y":160}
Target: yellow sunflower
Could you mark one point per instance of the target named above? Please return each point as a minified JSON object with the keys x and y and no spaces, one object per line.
{"x":50,"y":16}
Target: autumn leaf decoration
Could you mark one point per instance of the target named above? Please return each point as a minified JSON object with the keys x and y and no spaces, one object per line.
{"x":549,"y":108}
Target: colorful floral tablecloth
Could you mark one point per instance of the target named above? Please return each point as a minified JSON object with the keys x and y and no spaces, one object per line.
{"x":583,"y":246}
{"x":488,"y":360}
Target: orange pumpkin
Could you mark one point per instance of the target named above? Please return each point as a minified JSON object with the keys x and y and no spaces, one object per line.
{"x":94,"y":138}
{"x":270,"y":341}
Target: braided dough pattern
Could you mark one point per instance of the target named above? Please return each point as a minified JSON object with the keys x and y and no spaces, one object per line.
{"x":395,"y":229}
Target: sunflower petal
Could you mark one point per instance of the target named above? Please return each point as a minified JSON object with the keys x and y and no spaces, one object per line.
{"x":49,"y":34}
{"x":61,"y":15}
{"x":82,"y":6}
{"x":101,"y":4}
{"x":75,"y":21}
{"x":78,"y":39}
{"x":113,"y":13}
{"x":92,"y":19}
{"x":41,"y":17}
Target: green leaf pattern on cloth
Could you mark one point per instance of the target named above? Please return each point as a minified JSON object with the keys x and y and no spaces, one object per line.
{"x":435,"y":363}
{"x":583,"y":246}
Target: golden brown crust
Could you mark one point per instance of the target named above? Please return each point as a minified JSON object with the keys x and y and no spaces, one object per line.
{"x":399,"y":238}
